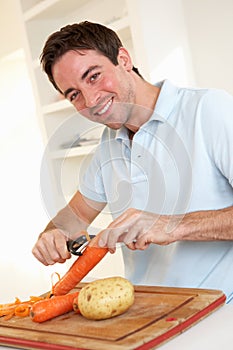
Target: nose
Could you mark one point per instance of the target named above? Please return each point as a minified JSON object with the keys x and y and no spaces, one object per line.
{"x":91,"y":97}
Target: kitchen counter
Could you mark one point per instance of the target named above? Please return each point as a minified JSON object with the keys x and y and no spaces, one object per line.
{"x":212,"y":333}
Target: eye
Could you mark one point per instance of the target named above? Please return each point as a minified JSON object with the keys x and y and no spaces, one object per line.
{"x":73,"y":96}
{"x":94,"y":77}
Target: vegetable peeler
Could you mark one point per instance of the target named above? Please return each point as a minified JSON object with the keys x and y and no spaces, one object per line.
{"x":77,"y":246}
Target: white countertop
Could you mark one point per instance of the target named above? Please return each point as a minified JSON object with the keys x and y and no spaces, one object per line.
{"x":214,"y":332}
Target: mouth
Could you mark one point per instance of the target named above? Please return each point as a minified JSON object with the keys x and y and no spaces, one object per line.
{"x":105,"y":108}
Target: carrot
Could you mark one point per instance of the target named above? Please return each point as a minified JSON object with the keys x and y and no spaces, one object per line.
{"x":91,"y":256}
{"x":49,"y":308}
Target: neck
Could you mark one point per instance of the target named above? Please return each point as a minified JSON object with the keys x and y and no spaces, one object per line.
{"x":131,"y":134}
{"x":145,"y":101}
{"x":147,"y":95}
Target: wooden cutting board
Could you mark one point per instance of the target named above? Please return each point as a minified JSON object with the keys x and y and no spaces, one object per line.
{"x":158,"y":314}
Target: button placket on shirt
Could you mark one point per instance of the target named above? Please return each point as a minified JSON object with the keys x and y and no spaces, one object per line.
{"x":137,"y":160}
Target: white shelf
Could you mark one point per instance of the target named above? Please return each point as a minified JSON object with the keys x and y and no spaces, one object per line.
{"x":119,"y":24}
{"x":53,"y":8}
{"x":38,"y":8}
{"x":73,"y":152}
{"x":57,"y":106}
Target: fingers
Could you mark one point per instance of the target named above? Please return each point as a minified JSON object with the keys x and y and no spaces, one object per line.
{"x":61,"y":247}
{"x":131,"y":238}
{"x":137,"y":230}
{"x":51,"y":248}
{"x":103,"y":241}
{"x":143,"y":242}
{"x":123,"y":229}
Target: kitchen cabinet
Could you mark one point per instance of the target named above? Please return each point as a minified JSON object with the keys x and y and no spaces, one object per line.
{"x":60,"y":124}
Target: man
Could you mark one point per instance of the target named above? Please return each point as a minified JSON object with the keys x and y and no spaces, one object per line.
{"x":164,"y":165}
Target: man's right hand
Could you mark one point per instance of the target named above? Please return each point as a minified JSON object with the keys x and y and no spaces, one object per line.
{"x":75,"y":217}
{"x":51,"y":247}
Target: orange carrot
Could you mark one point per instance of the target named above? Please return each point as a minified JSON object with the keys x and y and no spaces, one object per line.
{"x":49,"y":308}
{"x":91,"y":256}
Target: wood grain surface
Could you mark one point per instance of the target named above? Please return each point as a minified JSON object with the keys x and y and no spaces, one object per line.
{"x":157,"y":315}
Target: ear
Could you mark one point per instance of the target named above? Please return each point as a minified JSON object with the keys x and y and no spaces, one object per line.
{"x":124,"y":59}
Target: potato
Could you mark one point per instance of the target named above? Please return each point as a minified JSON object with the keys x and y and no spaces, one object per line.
{"x":105,"y":298}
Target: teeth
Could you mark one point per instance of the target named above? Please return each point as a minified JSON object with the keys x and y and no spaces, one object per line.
{"x":106,"y":107}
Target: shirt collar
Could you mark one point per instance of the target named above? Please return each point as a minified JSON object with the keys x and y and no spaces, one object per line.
{"x":122,"y":134}
{"x":166,"y":100}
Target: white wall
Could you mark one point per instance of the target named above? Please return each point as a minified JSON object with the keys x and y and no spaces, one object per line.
{"x":164,"y":41}
{"x":9,"y":24}
{"x":22,"y":212}
{"x":187,"y":41}
{"x":210,"y":32}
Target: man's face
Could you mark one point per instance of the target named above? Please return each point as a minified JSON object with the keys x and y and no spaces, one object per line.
{"x":98,"y":89}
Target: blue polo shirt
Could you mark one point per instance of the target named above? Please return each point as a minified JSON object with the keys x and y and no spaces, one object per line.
{"x":179,"y":161}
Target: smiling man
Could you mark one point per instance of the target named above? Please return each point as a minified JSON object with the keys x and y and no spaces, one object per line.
{"x":164,"y":165}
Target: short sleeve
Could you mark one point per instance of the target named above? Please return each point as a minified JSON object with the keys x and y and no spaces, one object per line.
{"x":217,"y":128}
{"x":91,"y":182}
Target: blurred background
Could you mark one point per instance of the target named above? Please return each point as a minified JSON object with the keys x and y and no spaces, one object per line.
{"x":189,"y":42}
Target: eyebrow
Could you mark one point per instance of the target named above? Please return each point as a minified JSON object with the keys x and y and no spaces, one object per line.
{"x":89,"y":70}
{"x":66,"y":93}
{"x":85,"y":74}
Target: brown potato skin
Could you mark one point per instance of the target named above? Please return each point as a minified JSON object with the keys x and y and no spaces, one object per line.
{"x":105,"y":298}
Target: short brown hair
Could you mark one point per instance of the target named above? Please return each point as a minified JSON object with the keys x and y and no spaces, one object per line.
{"x":80,"y":36}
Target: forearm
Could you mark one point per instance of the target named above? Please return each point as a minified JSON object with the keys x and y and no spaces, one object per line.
{"x":76,"y":216}
{"x":206,"y":225}
{"x":68,"y":222}
{"x":138,"y":229}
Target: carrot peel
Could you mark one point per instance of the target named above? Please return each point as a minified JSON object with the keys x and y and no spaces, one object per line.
{"x":17,"y":308}
{"x":22,"y":310}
